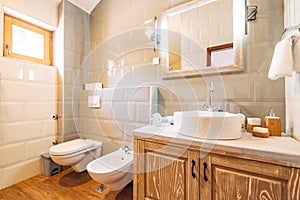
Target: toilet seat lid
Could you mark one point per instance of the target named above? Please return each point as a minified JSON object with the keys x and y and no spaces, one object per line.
{"x":71,"y":147}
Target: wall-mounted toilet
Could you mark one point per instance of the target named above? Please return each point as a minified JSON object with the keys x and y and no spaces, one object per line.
{"x":76,"y":153}
{"x":114,"y":169}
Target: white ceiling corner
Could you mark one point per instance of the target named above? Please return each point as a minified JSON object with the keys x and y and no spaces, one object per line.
{"x":86,"y":5}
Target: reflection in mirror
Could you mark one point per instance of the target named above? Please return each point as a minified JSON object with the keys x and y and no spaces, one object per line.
{"x":207,"y":24}
{"x":220,"y":55}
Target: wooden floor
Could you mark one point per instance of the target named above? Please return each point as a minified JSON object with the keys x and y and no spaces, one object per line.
{"x":66,"y":185}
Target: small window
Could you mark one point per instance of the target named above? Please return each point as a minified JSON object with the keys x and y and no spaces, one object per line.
{"x":26,"y":41}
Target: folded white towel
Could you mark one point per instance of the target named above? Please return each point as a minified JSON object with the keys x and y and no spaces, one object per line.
{"x":296,"y":52}
{"x":282,"y":62}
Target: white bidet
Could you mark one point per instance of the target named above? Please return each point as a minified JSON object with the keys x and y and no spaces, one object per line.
{"x":114,"y":169}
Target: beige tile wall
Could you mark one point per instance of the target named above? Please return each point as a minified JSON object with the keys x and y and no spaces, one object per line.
{"x":76,"y":47}
{"x":26,"y":125}
{"x":122,"y":110}
{"x":247,"y":90}
{"x":28,"y":98}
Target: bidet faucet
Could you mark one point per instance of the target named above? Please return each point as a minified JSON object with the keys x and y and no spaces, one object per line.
{"x":211,"y":90}
{"x":125,"y":148}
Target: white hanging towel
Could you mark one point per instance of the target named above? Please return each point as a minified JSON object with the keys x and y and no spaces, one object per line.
{"x":296,"y":52}
{"x":282,"y":62}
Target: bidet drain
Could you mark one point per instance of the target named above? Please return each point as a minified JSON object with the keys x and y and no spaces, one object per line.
{"x":101,"y":188}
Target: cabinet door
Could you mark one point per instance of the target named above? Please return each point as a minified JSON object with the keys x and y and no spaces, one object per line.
{"x":169,"y":173}
{"x":229,"y":184}
{"x":234,"y":178}
{"x":165,"y":176}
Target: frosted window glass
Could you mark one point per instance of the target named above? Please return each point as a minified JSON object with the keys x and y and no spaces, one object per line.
{"x":223,"y":57}
{"x":26,"y":42}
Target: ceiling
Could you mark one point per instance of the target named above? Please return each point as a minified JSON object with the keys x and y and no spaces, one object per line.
{"x":86,"y":5}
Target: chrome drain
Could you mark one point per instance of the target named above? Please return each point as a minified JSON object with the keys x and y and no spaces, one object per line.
{"x":101,"y":188}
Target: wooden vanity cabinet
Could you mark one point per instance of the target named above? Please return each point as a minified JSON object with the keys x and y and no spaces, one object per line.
{"x":165,"y":172}
{"x":168,"y":172}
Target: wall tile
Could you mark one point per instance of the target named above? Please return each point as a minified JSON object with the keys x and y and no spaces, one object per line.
{"x":48,"y":92}
{"x":70,"y":136}
{"x":87,"y":112}
{"x":34,"y":73}
{"x":189,"y":90}
{"x":69,"y":43}
{"x":36,"y":110}
{"x":129,"y":127}
{"x":228,"y":88}
{"x":80,"y":46}
{"x":263,"y":54}
{"x":34,"y":148}
{"x":112,"y":129}
{"x":169,"y":107}
{"x":22,"y":171}
{"x":14,"y":91}
{"x":92,"y":127}
{"x":146,"y":73}
{"x":27,"y":91}
{"x":105,"y":112}
{"x":11,"y":154}
{"x":112,"y":94}
{"x":69,"y":76}
{"x":131,"y":58}
{"x":123,"y":111}
{"x":24,"y":131}
{"x":69,"y":126}
{"x":142,"y":112}
{"x":12,"y":111}
{"x":167,"y":94}
{"x":49,"y":128}
{"x":136,"y":94}
{"x":12,"y":69}
{"x":108,"y":144}
{"x":268,"y":90}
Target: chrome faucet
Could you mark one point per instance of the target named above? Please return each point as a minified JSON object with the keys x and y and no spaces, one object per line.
{"x":211,"y":90}
{"x":126,"y":148}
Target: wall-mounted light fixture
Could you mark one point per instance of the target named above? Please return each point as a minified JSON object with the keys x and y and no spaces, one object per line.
{"x":155,"y":36}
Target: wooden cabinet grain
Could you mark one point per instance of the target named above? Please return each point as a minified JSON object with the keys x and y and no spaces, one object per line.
{"x":242,"y":178}
{"x":168,"y":172}
{"x":165,"y":172}
{"x":235,"y":178}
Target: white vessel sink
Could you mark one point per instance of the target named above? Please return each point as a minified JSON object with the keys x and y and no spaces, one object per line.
{"x":208,"y":125}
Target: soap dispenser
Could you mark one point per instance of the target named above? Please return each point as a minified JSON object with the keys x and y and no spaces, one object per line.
{"x":273,"y":123}
{"x":243,"y":119}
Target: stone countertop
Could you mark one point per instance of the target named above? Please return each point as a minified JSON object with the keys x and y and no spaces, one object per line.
{"x":282,"y":150}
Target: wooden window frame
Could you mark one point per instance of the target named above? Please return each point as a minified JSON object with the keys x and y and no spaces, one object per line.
{"x":48,"y":43}
{"x":209,"y":50}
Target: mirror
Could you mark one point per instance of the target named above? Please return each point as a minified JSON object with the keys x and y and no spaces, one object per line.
{"x":204,"y":37}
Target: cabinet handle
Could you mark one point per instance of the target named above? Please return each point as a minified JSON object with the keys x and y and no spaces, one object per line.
{"x":193,"y":166}
{"x":204,"y":171}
